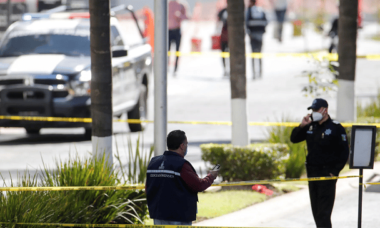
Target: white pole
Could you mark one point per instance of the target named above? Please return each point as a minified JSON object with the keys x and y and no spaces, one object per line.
{"x":160,"y":74}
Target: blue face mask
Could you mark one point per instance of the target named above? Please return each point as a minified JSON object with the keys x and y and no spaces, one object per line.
{"x":185,"y":152}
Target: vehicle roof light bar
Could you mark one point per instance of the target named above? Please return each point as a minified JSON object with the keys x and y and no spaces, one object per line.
{"x":34,"y":16}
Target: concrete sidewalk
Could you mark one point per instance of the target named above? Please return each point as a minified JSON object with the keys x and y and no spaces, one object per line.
{"x":293,"y":209}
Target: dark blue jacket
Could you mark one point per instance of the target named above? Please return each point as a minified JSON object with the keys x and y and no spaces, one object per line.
{"x":256,"y":21}
{"x":167,"y":194}
{"x":327,"y":144}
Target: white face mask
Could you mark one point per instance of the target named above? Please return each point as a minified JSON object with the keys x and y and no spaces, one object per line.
{"x":317,"y":116}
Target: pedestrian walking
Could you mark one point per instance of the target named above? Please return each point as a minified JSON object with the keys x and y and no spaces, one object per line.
{"x":256,"y":22}
{"x":172,"y":184}
{"x":327,"y":155}
{"x":280,"y":7}
{"x":333,"y":34}
{"x":222,"y":17}
{"x":177,"y":13}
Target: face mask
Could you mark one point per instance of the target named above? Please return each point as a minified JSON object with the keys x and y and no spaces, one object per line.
{"x":185,"y":152}
{"x":316,"y":116}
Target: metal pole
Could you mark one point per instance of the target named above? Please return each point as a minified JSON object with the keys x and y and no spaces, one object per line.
{"x":360,"y":198}
{"x":160,"y":74}
{"x":9,"y":12}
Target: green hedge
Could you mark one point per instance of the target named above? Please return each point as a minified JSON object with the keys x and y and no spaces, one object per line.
{"x":254,"y":162}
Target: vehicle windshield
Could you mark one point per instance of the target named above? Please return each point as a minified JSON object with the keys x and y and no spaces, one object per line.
{"x":69,"y":42}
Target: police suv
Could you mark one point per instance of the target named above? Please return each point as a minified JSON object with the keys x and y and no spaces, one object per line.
{"x":45,"y":70}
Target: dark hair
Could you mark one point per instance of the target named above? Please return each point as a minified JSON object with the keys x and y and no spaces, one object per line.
{"x":175,"y":139}
{"x":253,"y":1}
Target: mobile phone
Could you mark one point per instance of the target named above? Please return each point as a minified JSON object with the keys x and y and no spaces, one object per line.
{"x":216,"y":167}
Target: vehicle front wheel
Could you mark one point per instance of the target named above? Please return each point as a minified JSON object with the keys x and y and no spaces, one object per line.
{"x":33,"y":131}
{"x":139,"y":112}
{"x":88,"y":133}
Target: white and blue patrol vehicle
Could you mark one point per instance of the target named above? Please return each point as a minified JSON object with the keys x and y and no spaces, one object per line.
{"x":45,"y":70}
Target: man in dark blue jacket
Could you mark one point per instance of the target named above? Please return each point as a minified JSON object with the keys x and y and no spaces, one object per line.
{"x":172,"y":184}
{"x":328,"y":153}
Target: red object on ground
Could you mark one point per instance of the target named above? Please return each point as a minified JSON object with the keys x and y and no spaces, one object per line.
{"x":196,"y":44}
{"x":262,"y":189}
{"x":215,"y":42}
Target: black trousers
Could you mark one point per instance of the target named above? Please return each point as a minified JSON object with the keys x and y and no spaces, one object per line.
{"x":223,"y":48}
{"x":322,"y":196}
{"x":175,"y":36}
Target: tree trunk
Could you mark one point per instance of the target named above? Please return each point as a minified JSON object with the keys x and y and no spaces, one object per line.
{"x":236,"y":43}
{"x":347,"y":32}
{"x":101,"y":81}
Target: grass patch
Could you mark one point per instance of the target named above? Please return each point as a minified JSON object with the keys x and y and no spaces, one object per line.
{"x":214,"y":204}
{"x":286,"y":187}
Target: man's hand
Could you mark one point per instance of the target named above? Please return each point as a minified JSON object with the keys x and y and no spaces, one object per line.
{"x":214,"y":173}
{"x":306,"y":120}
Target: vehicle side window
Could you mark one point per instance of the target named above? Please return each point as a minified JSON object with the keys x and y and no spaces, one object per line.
{"x":116,"y":39}
{"x":130,"y":29}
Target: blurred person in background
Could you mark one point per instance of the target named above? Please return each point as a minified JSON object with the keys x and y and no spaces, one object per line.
{"x":177,"y":13}
{"x":256,"y":22}
{"x":222,"y":17}
{"x":333,"y":34}
{"x":280,"y":7}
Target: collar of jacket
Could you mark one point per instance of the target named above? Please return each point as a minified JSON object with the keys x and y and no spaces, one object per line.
{"x":171,"y":153}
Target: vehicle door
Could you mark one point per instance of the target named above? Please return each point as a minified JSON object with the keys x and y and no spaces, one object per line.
{"x":123,"y":77}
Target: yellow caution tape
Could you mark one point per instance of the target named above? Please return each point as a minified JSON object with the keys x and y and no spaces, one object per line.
{"x":133,"y":187}
{"x":137,"y":121}
{"x":316,"y":55}
{"x":48,"y":119}
{"x":71,"y":188}
{"x":373,"y":183}
{"x":284,"y":180}
{"x":366,"y":124}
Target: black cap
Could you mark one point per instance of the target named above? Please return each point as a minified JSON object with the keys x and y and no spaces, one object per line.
{"x":318,"y":103}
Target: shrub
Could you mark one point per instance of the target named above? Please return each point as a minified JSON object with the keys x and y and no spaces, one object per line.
{"x":369,"y":114}
{"x":295,"y":165}
{"x":370,"y":110}
{"x":85,"y":207}
{"x":137,"y":165}
{"x":256,"y":161}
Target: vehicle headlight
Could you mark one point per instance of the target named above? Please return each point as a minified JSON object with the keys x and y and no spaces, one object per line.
{"x":81,"y":86}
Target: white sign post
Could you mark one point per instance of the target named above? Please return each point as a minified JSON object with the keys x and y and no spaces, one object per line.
{"x":363,"y":139}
